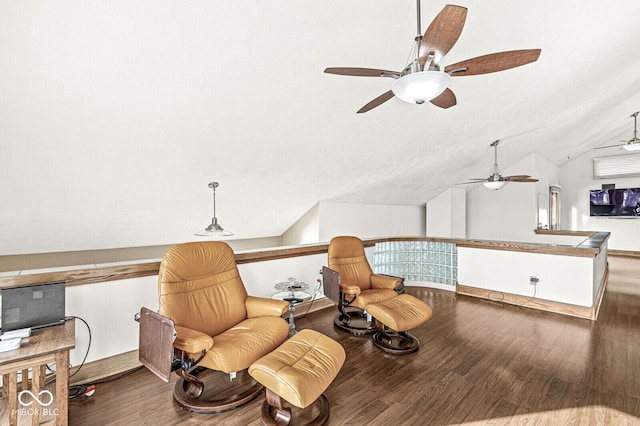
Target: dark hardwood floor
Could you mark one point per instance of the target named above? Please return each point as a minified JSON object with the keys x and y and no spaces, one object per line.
{"x":480,"y":362}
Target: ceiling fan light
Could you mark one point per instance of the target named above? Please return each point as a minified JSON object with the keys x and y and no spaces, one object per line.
{"x":420,"y":87}
{"x":494,"y":184}
{"x":635,"y":146}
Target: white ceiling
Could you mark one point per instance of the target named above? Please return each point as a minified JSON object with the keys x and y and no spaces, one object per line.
{"x":114,"y":116}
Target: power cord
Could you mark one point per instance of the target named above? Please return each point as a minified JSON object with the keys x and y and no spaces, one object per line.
{"x":501,"y":298}
{"x":79,"y":390}
{"x":88,"y":346}
{"x":535,"y":288}
{"x":53,"y":376}
{"x":315,"y":294}
{"x":87,"y":389}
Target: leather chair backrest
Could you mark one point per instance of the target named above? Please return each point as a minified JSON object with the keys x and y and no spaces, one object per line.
{"x":200,"y":287}
{"x":346,"y":256}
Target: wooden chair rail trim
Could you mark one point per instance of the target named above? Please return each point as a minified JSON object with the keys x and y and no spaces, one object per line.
{"x":540,"y":304}
{"x":624,"y":253}
{"x":144,"y":269}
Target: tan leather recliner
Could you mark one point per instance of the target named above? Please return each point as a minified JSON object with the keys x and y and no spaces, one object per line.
{"x":350,"y":282}
{"x":201,"y":291}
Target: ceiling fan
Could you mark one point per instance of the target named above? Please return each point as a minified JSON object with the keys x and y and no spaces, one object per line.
{"x":632,"y":144}
{"x":422,"y":79}
{"x":496,"y":180}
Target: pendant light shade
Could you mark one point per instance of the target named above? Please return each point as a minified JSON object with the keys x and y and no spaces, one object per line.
{"x":494,"y":184}
{"x":214,"y":229}
{"x":632,"y":146}
{"x":420,"y":87}
{"x":634,"y":143}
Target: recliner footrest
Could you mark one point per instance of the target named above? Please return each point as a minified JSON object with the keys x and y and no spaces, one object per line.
{"x":300,"y":369}
{"x":401,"y":313}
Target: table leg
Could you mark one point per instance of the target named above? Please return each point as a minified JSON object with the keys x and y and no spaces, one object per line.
{"x":13,"y":398}
{"x":35,"y":389}
{"x":62,"y":387}
{"x":25,"y":379}
{"x":5,"y":385}
{"x":43,"y":375}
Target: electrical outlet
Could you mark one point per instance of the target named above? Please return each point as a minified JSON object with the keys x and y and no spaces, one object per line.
{"x":533,"y":280}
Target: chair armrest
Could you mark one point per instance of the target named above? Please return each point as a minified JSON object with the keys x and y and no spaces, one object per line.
{"x":386,"y":281}
{"x":192,"y":341}
{"x":263,"y":307}
{"x":350,"y":290}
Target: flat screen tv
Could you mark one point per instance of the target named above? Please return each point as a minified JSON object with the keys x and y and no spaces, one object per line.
{"x":615,"y":202}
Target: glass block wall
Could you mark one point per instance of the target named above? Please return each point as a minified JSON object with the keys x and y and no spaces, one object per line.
{"x":431,"y":261}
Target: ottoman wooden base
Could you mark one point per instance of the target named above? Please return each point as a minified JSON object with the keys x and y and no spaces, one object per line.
{"x":298,"y":372}
{"x":393,"y":319}
{"x":275,"y":413}
{"x":217,"y":393}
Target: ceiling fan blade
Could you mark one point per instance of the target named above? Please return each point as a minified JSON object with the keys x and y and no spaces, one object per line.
{"x":517,"y":177}
{"x":469,"y":183}
{"x":442,"y":34}
{"x":360,"y":72}
{"x":493,"y":62}
{"x":609,"y":146}
{"x":523,"y":180}
{"x":376,"y":102}
{"x":446,"y":99}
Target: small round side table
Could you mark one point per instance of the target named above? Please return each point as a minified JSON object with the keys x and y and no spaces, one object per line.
{"x":293,"y":291}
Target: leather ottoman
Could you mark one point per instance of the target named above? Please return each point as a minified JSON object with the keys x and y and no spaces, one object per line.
{"x":393,"y":318}
{"x":298,"y":371}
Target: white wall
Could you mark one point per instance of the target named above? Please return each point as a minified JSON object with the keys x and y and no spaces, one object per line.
{"x":328,"y":219}
{"x":576,"y":178}
{"x":446,"y":214}
{"x":565,"y":279}
{"x":109,"y":308}
{"x":306,"y":230}
{"x":510,"y":213}
{"x":599,"y":268}
{"x":370,"y":220}
{"x":259,"y":278}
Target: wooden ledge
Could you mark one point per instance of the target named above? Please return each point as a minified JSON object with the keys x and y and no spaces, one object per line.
{"x":591,"y":247}
{"x":87,"y":275}
{"x":563,"y":232}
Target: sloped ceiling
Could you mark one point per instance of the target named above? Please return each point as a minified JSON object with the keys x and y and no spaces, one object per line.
{"x":114,"y":116}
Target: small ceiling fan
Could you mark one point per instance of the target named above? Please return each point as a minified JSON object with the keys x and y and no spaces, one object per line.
{"x":496,"y":180}
{"x":632,"y":144}
{"x":422,"y":79}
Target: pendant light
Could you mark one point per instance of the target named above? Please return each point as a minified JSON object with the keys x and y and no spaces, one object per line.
{"x":214,"y":229}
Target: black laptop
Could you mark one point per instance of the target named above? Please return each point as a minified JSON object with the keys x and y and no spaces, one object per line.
{"x":33,"y":306}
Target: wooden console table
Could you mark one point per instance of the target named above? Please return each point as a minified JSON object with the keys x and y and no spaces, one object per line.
{"x":44,"y":346}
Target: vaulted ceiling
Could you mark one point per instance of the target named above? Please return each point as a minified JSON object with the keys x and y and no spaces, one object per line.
{"x":114,"y":116}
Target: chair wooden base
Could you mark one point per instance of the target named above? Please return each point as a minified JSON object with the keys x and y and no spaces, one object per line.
{"x":354,"y":322}
{"x":394,"y":342}
{"x":215,"y":393}
{"x":275,"y":413}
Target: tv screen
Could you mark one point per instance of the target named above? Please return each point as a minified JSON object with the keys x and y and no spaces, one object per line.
{"x":615,"y":202}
